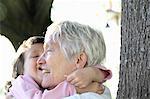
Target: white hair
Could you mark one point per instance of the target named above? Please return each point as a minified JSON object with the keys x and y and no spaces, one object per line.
{"x":75,"y":38}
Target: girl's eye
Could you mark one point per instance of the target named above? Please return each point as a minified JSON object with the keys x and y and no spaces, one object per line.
{"x":35,"y":56}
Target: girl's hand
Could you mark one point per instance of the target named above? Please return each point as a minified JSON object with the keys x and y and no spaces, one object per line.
{"x":81,"y":77}
{"x":93,"y":87}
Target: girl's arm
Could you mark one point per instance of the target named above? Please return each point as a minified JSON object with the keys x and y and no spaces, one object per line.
{"x":92,"y":87}
{"x":84,"y":76}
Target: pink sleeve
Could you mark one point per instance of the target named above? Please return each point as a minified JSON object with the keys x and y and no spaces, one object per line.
{"x":108,"y":73}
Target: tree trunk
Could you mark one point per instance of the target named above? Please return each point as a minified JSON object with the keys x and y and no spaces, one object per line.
{"x":134,"y":80}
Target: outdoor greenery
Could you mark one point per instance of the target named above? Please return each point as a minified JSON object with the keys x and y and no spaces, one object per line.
{"x":20,"y":19}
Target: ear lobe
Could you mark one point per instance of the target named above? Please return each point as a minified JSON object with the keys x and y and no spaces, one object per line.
{"x":81,"y":60}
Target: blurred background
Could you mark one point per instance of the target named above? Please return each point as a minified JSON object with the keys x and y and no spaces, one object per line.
{"x":20,"y":19}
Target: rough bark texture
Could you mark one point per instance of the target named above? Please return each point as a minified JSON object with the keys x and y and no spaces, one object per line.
{"x":134,"y":80}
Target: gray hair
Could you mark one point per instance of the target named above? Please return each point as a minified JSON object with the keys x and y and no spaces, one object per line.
{"x":74,"y":38}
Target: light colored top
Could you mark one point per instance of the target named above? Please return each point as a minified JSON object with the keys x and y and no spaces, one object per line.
{"x":91,"y":95}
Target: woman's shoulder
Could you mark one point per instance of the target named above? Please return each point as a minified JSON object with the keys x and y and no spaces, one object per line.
{"x":92,"y":95}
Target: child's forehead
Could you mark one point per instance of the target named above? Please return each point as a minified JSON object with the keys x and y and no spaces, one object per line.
{"x":36,"y":47}
{"x":47,"y":45}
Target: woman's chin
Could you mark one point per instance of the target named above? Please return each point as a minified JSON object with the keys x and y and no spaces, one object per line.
{"x":47,"y":82}
{"x":47,"y":85}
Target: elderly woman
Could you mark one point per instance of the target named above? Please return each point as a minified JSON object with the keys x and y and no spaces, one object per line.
{"x":70,"y":46}
{"x":27,"y":76}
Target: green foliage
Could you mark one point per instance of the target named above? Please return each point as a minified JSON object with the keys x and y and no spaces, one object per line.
{"x":20,"y":19}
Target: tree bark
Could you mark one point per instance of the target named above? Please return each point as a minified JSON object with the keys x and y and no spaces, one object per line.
{"x":134,"y":79}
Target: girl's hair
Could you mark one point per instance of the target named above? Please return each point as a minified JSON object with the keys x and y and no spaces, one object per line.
{"x":18,"y":65}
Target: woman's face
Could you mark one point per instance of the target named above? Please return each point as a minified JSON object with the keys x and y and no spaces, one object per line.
{"x":30,"y":64}
{"x":54,"y":65}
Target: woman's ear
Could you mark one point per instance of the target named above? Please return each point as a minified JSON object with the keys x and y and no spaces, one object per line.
{"x":81,"y":60}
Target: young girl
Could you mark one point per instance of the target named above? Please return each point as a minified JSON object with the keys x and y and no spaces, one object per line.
{"x":28,"y":75}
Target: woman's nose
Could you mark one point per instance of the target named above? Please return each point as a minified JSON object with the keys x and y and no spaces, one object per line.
{"x":41,"y":60}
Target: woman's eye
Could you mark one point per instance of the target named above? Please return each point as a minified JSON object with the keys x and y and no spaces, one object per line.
{"x":49,"y":51}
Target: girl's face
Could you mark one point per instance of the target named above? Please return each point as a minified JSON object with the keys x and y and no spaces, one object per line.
{"x":30,"y":65}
